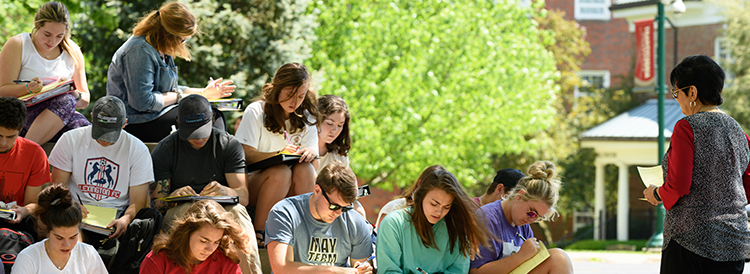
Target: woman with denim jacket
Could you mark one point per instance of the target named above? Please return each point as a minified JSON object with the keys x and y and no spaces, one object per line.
{"x":144,"y":76}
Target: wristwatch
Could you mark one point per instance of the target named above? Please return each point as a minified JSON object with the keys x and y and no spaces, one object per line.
{"x":656,"y":194}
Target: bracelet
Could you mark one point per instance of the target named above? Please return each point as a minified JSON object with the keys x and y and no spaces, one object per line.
{"x":27,"y":88}
{"x":656,"y":194}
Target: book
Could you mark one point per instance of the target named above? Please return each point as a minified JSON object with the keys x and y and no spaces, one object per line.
{"x":272,"y":161}
{"x":651,"y":175}
{"x":227,"y":104}
{"x":230,"y":200}
{"x":48,"y":91}
{"x":7,"y":214}
{"x":526,"y":267}
{"x":98,"y":219}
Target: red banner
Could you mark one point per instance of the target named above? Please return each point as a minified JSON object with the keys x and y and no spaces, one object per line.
{"x":644,"y":65}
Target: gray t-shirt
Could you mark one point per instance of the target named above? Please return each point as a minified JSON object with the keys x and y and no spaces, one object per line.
{"x":176,"y":160}
{"x":314,"y":242}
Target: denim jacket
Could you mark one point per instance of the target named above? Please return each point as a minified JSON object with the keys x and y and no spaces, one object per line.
{"x":139,"y":76}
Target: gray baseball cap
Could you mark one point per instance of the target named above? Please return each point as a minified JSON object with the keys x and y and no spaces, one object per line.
{"x":107,"y":119}
{"x":195,"y":116}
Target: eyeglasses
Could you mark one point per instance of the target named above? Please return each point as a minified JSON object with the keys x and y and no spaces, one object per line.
{"x":334,"y":207}
{"x":675,"y":91}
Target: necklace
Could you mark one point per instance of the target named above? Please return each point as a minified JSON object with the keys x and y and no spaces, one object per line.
{"x":49,"y":254}
{"x":708,"y":108}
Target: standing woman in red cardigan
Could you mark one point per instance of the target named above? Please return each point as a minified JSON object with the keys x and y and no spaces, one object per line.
{"x":707,"y":178}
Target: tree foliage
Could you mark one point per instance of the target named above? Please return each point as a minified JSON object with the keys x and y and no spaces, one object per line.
{"x":435,"y":82}
{"x":736,"y":94}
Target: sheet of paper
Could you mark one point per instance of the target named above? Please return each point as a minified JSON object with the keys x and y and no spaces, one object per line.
{"x":100,"y":216}
{"x":651,"y":175}
{"x":526,"y":267}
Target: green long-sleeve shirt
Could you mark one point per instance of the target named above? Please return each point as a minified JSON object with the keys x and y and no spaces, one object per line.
{"x":400,"y":249}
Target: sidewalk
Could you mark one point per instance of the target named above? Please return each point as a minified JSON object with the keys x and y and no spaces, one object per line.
{"x":618,"y":262}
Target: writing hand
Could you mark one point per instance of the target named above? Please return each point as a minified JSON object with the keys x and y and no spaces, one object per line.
{"x":184,"y":191}
{"x":290,"y":149}
{"x":529,"y":248}
{"x":363,"y":268}
{"x":213,"y":189}
{"x":35,"y":85}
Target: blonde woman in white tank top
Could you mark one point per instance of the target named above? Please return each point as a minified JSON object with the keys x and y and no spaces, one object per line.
{"x":42,"y":56}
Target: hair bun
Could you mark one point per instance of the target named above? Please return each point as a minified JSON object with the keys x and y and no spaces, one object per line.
{"x":542,"y":170}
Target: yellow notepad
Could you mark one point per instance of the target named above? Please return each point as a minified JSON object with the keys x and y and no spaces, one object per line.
{"x":98,"y":219}
{"x":526,"y":267}
{"x":651,"y":175}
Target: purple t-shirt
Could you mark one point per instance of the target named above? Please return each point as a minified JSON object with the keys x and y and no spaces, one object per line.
{"x":508,"y":242}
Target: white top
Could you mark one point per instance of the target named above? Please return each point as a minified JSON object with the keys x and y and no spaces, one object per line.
{"x":102,"y":176}
{"x":34,"y":65}
{"x":251,"y":132}
{"x":389,"y":207}
{"x":330,"y":157}
{"x":34,"y":260}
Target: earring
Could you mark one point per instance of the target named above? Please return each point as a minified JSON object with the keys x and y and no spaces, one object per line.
{"x":692,"y":104}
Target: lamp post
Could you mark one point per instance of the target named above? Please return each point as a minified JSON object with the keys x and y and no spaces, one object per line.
{"x":657,"y":239}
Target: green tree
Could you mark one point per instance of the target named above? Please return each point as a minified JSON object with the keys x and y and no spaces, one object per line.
{"x":435,"y":82}
{"x":736,"y":94}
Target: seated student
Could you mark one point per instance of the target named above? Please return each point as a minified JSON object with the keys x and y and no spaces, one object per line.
{"x":318,"y":232}
{"x":23,"y":165}
{"x":533,"y":199}
{"x":199,"y":159}
{"x":333,"y":135}
{"x":41,"y":57}
{"x":143,"y":73}
{"x":437,"y":232}
{"x":283,"y":121}
{"x":204,"y":240}
{"x":61,"y":252}
{"x":405,"y":199}
{"x":505,"y":179}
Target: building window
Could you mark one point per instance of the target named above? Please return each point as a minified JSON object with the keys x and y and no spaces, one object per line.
{"x":592,"y":10}
{"x":592,"y":80}
{"x":723,"y":56}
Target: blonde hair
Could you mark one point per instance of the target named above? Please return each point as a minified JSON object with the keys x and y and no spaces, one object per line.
{"x":165,"y":28}
{"x":540,"y":185}
{"x":56,"y":12}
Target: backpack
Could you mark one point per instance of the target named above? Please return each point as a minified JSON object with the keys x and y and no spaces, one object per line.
{"x":11,"y":243}
{"x":136,"y":243}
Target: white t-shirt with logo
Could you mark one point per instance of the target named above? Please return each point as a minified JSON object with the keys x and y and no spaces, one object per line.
{"x":101,"y":175}
{"x":253,"y":133}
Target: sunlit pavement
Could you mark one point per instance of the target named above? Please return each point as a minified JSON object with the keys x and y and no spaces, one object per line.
{"x":618,"y":262}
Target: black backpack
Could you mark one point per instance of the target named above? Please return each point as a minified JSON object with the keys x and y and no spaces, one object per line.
{"x":11,"y":243}
{"x":136,"y":243}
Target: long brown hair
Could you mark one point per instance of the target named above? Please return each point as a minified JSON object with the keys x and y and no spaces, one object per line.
{"x":330,"y":104}
{"x":176,"y":242}
{"x":289,"y":75}
{"x":462,"y":222}
{"x":56,"y":12}
{"x":408,"y":194}
{"x":165,"y":28}
{"x":57,"y":208}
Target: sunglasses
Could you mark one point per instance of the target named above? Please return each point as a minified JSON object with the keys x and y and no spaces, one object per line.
{"x":675,"y":91}
{"x":334,"y":207}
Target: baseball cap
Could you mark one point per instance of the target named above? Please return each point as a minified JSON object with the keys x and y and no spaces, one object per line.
{"x":108,"y":117}
{"x":508,"y":177}
{"x":195,"y":116}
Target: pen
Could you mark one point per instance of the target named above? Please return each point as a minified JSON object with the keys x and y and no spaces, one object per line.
{"x":368,"y":259}
{"x":522,"y":237}
{"x":422,"y":271}
{"x":21,"y":81}
{"x":79,"y":199}
{"x":212,"y":80}
{"x":286,"y":135}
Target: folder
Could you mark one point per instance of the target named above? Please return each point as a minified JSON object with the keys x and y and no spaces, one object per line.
{"x":48,"y":91}
{"x":7,"y":214}
{"x":228,"y":200}
{"x":272,"y":161}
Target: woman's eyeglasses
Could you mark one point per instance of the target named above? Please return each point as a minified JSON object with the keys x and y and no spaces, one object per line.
{"x":334,"y":207}
{"x":675,"y":91}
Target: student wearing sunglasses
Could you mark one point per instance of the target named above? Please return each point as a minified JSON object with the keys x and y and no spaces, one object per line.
{"x":533,"y":199}
{"x":319,"y":232}
{"x":438,"y":231}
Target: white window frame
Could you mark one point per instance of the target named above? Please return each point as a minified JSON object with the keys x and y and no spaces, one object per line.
{"x":606,"y":15}
{"x":727,"y":60}
{"x":605,"y":74}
